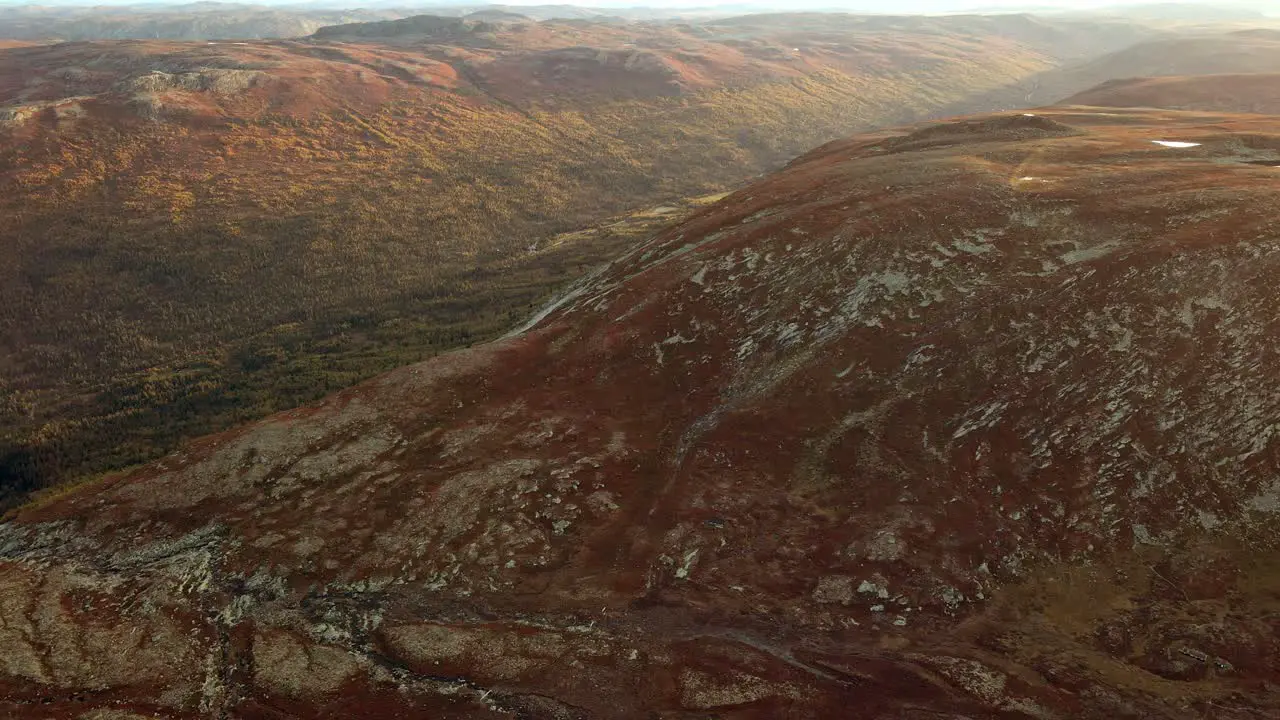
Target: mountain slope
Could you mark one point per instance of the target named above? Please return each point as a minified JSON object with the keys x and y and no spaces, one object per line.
{"x":971,"y":420}
{"x":198,"y":21}
{"x":1250,"y":51}
{"x":1236,"y":52}
{"x":197,"y":234}
{"x":1255,"y":93}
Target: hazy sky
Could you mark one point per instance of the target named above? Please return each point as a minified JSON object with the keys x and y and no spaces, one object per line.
{"x":856,"y":6}
{"x":870,"y":6}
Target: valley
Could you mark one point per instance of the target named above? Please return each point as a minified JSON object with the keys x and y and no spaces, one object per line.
{"x":204,"y":233}
{"x":969,"y":418}
{"x":661,"y":364}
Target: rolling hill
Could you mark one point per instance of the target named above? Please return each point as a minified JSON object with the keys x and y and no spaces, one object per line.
{"x":972,"y":419}
{"x":1253,"y":93}
{"x":1246,"y":51}
{"x":198,"y":234}
{"x":1237,"y":52}
{"x":175,"y":21}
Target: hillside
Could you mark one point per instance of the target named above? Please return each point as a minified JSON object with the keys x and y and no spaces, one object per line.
{"x":968,"y":420}
{"x":1236,"y":52}
{"x":193,"y":21}
{"x":1173,"y":12}
{"x":198,"y":234}
{"x":168,"y":20}
{"x":1256,"y":93}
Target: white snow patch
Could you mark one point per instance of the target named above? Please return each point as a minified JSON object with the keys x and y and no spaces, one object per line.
{"x":1175,"y":143}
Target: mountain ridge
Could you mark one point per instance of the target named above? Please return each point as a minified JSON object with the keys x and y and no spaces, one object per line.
{"x":212,"y":231}
{"x":1243,"y":93}
{"x":967,"y":417}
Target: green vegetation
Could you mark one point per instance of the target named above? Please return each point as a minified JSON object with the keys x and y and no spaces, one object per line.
{"x":130,"y":417}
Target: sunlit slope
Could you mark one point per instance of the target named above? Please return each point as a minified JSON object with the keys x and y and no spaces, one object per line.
{"x":201,"y":233}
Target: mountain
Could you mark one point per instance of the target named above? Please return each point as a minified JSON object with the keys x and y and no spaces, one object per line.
{"x":970,"y":420}
{"x":193,"y":21}
{"x":241,"y":21}
{"x":1248,"y":51}
{"x":1067,"y":40}
{"x":1255,"y":93}
{"x":497,"y":15}
{"x":199,"y":234}
{"x":1176,"y":11}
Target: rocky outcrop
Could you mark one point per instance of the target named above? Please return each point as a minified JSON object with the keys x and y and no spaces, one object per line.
{"x":973,"y":420}
{"x":17,"y":114}
{"x":68,"y":108}
{"x":214,"y":80}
